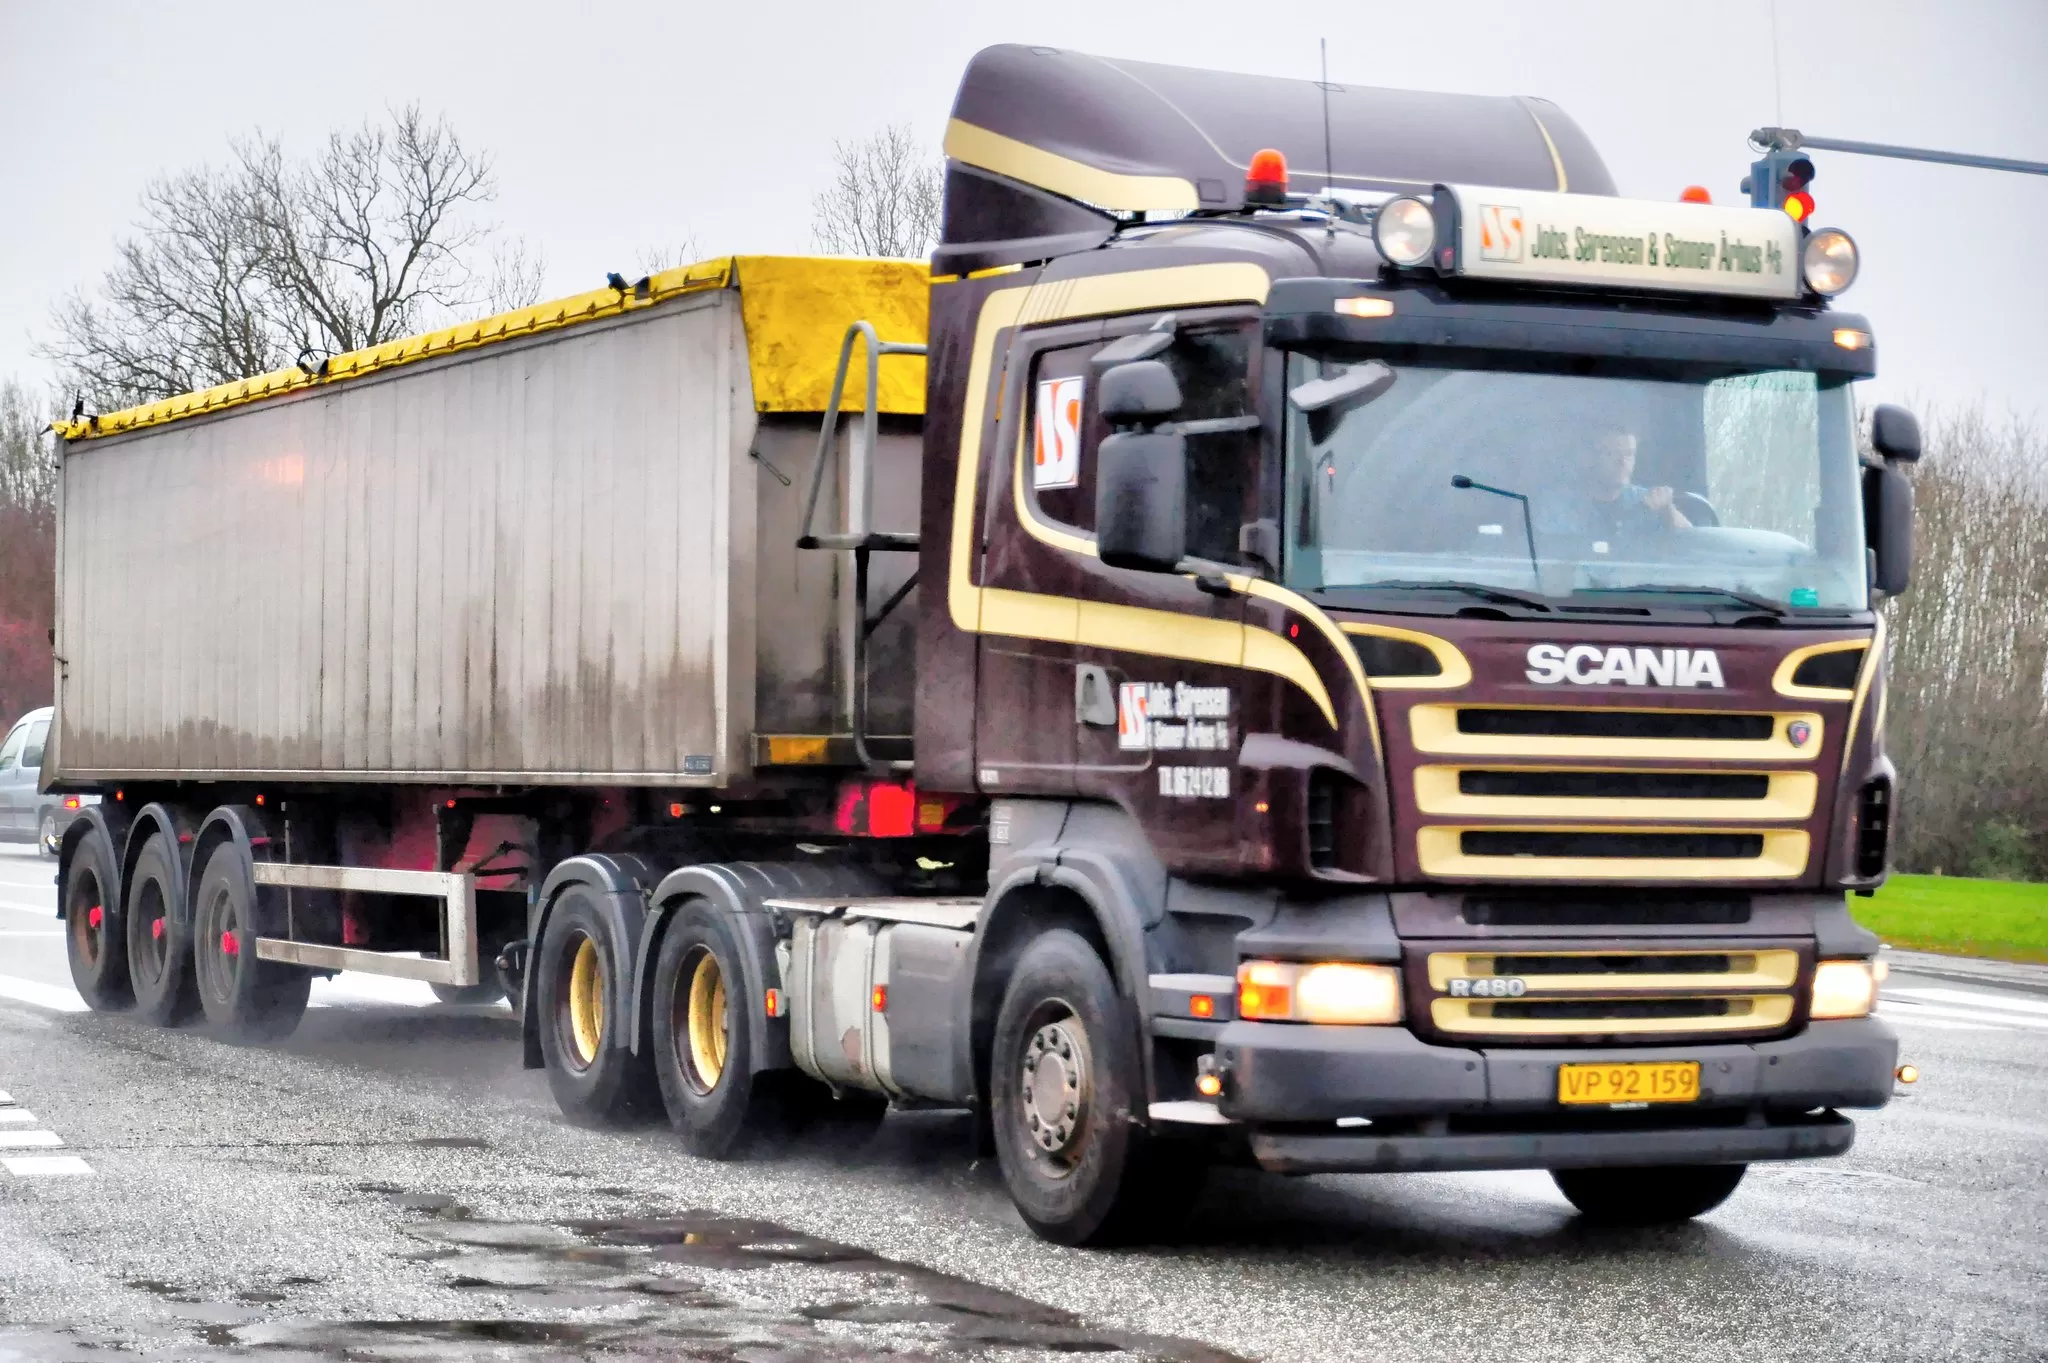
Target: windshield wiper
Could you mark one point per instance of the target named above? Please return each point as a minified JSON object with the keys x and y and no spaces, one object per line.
{"x":1501,"y":595}
{"x":1749,"y":599}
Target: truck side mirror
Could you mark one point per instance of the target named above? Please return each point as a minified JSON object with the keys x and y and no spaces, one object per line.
{"x":1895,"y":433}
{"x":1141,"y":499}
{"x":1888,"y":520}
{"x":1139,"y":393}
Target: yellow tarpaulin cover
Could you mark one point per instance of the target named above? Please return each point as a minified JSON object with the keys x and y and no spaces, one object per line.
{"x":796,"y":310}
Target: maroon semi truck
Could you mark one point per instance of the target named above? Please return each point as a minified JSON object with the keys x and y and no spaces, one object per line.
{"x":1365,"y":666}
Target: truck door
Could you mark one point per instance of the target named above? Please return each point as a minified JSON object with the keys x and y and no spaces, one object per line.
{"x":1051,"y":707}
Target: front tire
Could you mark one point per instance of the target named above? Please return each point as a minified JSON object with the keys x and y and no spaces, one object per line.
{"x":596,"y":1077}
{"x":1066,"y":1092}
{"x":159,"y":946}
{"x":249,"y":1001}
{"x":93,"y":940}
{"x":1657,"y":1195}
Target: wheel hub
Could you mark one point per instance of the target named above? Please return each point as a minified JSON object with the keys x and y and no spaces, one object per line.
{"x":1056,"y":1086}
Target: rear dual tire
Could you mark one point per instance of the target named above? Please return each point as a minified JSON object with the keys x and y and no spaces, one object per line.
{"x":246,"y":999}
{"x":596,"y":1077}
{"x":94,"y":942}
{"x":160,"y":964}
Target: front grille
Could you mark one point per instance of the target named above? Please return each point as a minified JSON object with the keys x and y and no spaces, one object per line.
{"x":1582,"y":1010}
{"x":1589,"y":909}
{"x":1665,"y":963}
{"x":1687,"y":724}
{"x":1532,"y":995}
{"x":1621,"y":785}
{"x":1514,"y":842}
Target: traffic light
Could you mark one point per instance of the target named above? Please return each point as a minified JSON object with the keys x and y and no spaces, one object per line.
{"x":1779,"y":180}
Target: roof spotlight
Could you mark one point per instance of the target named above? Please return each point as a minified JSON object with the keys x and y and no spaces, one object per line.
{"x":1405,"y":231}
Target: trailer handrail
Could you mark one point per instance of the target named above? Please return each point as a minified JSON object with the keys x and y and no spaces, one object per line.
{"x":860,"y":471}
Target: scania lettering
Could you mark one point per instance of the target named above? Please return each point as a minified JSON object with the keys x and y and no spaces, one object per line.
{"x":1219,"y":666}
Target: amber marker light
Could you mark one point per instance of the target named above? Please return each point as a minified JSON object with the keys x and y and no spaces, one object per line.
{"x":1201,"y":1006}
{"x":773,"y":1003}
{"x":1844,"y":989}
{"x":1365,"y":307}
{"x":880,"y":998}
{"x":1265,"y":180}
{"x":1265,"y":992}
{"x":1209,"y":1085}
{"x":1849,"y":338}
{"x":1695,"y":194}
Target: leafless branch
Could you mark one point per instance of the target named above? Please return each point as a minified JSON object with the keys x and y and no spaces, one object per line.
{"x":884,"y":198}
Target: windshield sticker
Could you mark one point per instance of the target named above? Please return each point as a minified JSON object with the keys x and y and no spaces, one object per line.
{"x":1158,"y":717}
{"x":1586,"y":665}
{"x":1056,"y":460}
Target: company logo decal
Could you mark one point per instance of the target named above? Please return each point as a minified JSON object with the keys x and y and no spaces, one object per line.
{"x":1158,"y":717}
{"x":1056,"y":452}
{"x":1797,"y":732}
{"x":1500,"y":233}
{"x":1586,"y":665}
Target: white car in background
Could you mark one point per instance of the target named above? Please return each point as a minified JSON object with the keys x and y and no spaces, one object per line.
{"x":26,"y":814}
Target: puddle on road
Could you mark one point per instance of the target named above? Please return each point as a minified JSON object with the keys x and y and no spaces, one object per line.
{"x":692,"y":1285}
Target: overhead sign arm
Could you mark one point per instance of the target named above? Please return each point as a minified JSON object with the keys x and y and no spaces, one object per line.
{"x":1791,"y":139}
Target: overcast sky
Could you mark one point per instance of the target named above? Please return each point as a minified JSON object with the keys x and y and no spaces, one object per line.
{"x":619,"y":126}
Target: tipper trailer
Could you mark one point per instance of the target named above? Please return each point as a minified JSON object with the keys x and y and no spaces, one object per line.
{"x":1367,"y":667}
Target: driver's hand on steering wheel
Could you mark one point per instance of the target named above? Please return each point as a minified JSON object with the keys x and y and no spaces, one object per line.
{"x":1658,"y":499}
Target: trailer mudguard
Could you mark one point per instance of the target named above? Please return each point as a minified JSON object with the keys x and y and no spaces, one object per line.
{"x":109,"y":821}
{"x":620,"y":884}
{"x":739,"y":889}
{"x":243,"y":825}
{"x":182,"y":828}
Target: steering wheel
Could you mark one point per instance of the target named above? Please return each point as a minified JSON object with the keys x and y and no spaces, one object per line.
{"x":1695,"y":508}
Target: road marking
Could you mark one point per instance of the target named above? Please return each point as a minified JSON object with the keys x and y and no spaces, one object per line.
{"x":1910,"y":1010}
{"x":2004,"y":1003}
{"x":31,"y":932}
{"x":45,"y":1166}
{"x":16,"y":1116}
{"x":6,"y":1098}
{"x":61,"y":998}
{"x":48,"y":910}
{"x":29,"y":1140}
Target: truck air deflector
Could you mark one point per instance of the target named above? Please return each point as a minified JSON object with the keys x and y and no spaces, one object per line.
{"x":1133,"y":137}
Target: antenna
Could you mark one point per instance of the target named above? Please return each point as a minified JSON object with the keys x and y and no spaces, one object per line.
{"x":1329,"y":161}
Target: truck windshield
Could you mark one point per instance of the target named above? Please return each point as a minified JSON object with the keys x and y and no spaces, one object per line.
{"x":1573,"y":477}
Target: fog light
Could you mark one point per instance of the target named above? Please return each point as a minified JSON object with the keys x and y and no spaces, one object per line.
{"x":1830,"y":261}
{"x":1843,"y":989}
{"x":1209,"y":1085}
{"x":1405,"y":231}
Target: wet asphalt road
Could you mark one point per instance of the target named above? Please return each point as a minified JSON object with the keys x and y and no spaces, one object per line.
{"x":389,"y":1184}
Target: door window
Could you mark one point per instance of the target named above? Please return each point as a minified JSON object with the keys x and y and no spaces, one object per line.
{"x":10,"y":751}
{"x":32,"y":751}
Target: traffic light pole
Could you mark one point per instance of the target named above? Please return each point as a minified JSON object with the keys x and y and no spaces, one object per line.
{"x":1791,"y":139}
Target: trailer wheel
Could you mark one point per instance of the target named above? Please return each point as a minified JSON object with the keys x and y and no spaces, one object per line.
{"x":594,"y":1073}
{"x":159,"y":947}
{"x":1656,"y":1195}
{"x":246,"y":999}
{"x":1065,"y":1082}
{"x":93,"y":940}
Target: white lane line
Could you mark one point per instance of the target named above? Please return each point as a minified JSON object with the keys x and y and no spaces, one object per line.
{"x":6,"y":1098}
{"x":2004,"y":1003}
{"x":44,"y":1166}
{"x":16,"y":1116}
{"x":61,"y":998}
{"x":1938,"y":1024}
{"x":1911,"y":1010}
{"x":29,"y":1140}
{"x":31,"y":932}
{"x":48,"y":910}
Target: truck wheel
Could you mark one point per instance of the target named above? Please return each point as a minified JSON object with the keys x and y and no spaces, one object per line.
{"x":703,"y":1053}
{"x":596,"y":1078}
{"x":1064,"y":1082}
{"x":247,"y":1000}
{"x":1651,"y":1196}
{"x":159,"y":948}
{"x":93,"y":940}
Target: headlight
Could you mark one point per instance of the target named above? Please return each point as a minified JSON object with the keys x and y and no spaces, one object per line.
{"x":1330,"y":992}
{"x":1844,"y":989}
{"x":1405,"y":231}
{"x":1829,"y":261}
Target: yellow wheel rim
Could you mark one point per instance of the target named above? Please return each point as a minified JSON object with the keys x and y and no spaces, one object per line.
{"x":707,"y":1022}
{"x":586,"y":1002}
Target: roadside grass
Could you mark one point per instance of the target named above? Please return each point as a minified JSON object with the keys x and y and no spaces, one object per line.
{"x":2005,"y":920}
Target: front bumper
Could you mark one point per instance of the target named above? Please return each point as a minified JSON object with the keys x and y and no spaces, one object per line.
{"x":1454,"y":1107}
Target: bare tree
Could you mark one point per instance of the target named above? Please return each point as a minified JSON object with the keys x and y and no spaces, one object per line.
{"x":28,"y":551}
{"x":884,"y":199}
{"x":655,"y":259}
{"x":234,"y":271}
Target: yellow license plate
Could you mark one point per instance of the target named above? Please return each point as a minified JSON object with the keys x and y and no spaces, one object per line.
{"x":1661,"y":1081}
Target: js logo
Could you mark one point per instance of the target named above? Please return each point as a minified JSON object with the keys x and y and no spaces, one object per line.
{"x":1500,"y":233}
